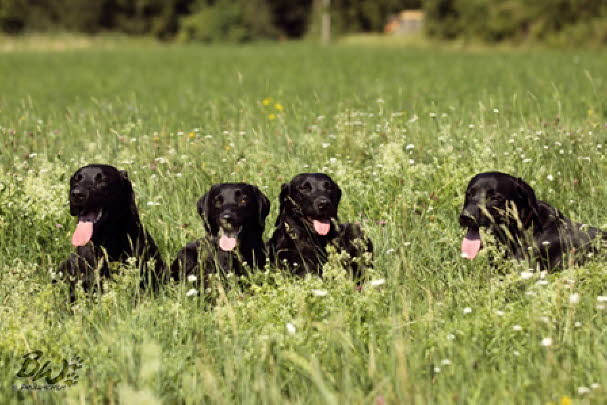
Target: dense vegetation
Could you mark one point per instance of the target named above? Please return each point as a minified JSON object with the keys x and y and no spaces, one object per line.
{"x":401,"y":131}
{"x":206,"y":20}
{"x":560,"y":22}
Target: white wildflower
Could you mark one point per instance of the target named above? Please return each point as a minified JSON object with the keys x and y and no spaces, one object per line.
{"x":546,"y":342}
{"x":191,"y":292}
{"x":377,"y":282}
{"x":526,"y":275}
{"x":192,"y":278}
{"x":291,"y":328}
{"x":319,"y":293}
{"x":467,"y":310}
{"x":517,"y":328}
{"x":574,"y":298}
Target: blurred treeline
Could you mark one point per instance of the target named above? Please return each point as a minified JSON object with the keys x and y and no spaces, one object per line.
{"x":205,"y":20}
{"x":564,"y":21}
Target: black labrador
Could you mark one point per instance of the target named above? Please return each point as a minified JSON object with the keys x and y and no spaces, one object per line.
{"x":307,"y":223}
{"x":530,"y":229}
{"x":108,"y":229}
{"x":234,"y":216}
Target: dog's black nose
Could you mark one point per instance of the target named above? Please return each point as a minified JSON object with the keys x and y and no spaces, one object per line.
{"x":77,"y":195}
{"x":323,"y":203}
{"x":466,"y":220}
{"x":227,"y":216}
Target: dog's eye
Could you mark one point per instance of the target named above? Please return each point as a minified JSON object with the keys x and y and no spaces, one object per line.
{"x":243,"y":201}
{"x":78,"y":177}
{"x":98,"y":178}
{"x":305,"y":188}
{"x":218,"y":202}
{"x":327,"y":185}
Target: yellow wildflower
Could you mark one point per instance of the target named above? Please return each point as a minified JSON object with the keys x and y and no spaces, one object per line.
{"x":271,"y":116}
{"x":266,"y":101}
{"x":279,"y":107}
{"x":565,"y":400}
{"x":192,"y":135}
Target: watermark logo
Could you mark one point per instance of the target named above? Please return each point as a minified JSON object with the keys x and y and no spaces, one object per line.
{"x":46,"y":376}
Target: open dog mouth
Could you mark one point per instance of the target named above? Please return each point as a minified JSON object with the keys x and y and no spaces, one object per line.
{"x":228,"y":239}
{"x":472,"y":243}
{"x":321,"y":226}
{"x":84,"y":230}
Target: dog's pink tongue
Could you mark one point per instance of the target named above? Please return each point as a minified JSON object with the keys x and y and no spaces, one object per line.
{"x":83,"y":233}
{"x":227,"y":243}
{"x":321,"y":226}
{"x":471,"y":243}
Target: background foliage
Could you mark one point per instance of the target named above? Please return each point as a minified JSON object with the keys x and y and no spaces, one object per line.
{"x":559,"y":22}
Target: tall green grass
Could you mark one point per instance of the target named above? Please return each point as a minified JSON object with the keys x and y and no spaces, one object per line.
{"x":401,"y":130}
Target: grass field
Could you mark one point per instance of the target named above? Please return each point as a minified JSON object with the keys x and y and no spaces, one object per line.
{"x":401,"y":130}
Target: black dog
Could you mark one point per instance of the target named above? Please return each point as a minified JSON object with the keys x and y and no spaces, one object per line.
{"x":234,"y":216}
{"x":307,"y":224}
{"x":108,"y":230}
{"x":530,"y":229}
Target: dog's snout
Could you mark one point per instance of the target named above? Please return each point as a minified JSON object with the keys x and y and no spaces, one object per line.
{"x":78,"y":196}
{"x":227,"y":216}
{"x":323,"y":203}
{"x":466,"y":218}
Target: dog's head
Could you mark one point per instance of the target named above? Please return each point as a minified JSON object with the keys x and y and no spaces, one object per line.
{"x":99,"y":193}
{"x":228,"y":209}
{"x":493,"y":199}
{"x":313,"y":197}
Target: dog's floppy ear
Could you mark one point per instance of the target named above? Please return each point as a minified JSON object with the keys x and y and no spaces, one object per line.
{"x":527,"y":203}
{"x":129,"y":194}
{"x":73,"y":210}
{"x":285,"y":190}
{"x":263,"y":206}
{"x":203,"y":206}
{"x":338,"y":194}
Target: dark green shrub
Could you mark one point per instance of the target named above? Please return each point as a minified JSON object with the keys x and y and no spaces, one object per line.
{"x":229,"y":21}
{"x":497,"y":20}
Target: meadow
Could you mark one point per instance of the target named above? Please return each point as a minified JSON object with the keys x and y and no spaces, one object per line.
{"x":402,"y":130}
